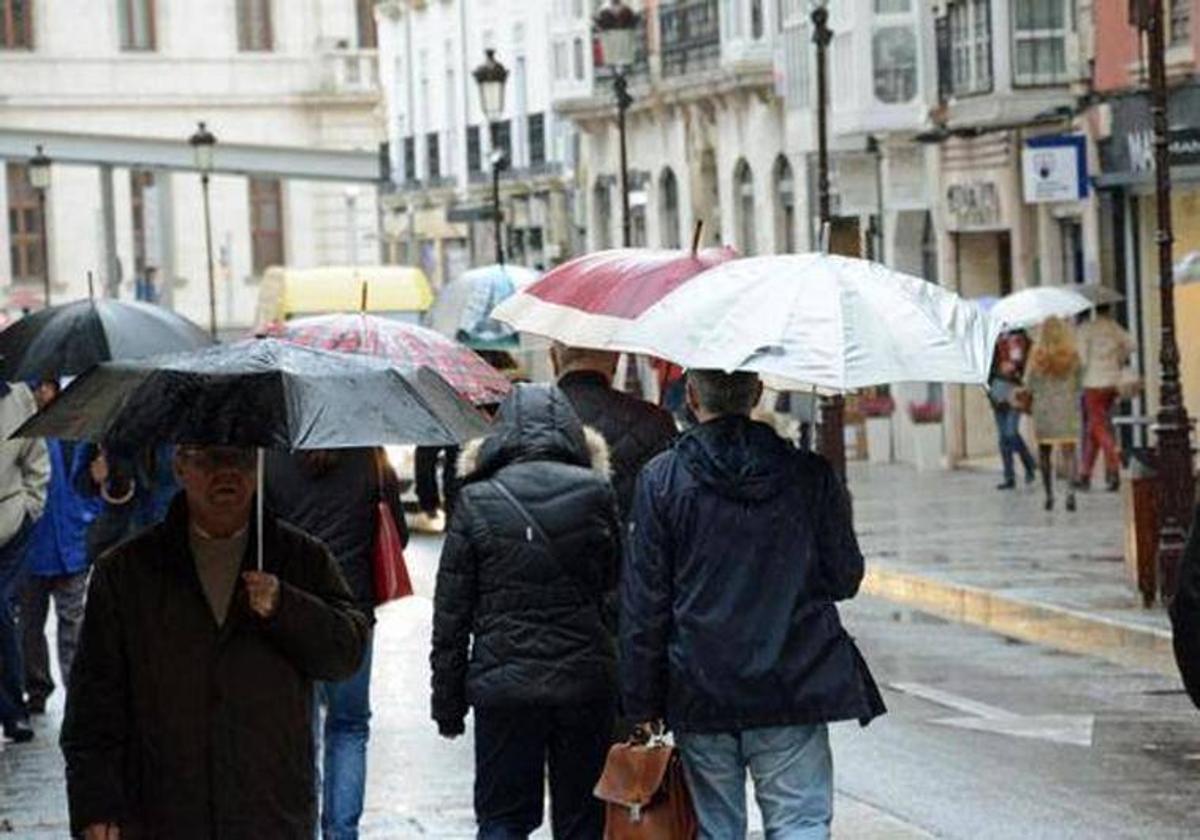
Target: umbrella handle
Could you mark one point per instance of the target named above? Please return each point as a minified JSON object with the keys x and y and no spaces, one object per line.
{"x":363,"y":304}
{"x":262,"y":462}
{"x":696,"y":231}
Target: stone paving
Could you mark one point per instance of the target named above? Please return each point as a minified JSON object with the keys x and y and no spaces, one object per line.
{"x":954,"y":527}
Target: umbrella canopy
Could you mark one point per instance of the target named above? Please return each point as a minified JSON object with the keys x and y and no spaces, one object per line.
{"x":259,"y":393}
{"x":68,"y":339}
{"x":817,"y":320}
{"x":1094,"y":292}
{"x":1030,"y":307}
{"x":406,"y":346}
{"x":590,"y":300}
{"x":464,"y":307}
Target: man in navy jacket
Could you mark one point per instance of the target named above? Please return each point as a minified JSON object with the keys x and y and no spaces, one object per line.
{"x":740,"y":546}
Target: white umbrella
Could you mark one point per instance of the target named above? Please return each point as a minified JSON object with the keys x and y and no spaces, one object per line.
{"x":1030,"y":307}
{"x":816,"y":320}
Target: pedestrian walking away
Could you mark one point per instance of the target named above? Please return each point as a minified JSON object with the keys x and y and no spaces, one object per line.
{"x":57,"y":561}
{"x":223,"y":747}
{"x":634,"y":429}
{"x":1104,"y":349}
{"x":332,"y":495}
{"x":1053,"y":378}
{"x":740,"y":546}
{"x":1008,"y":368}
{"x":24,"y":483}
{"x":519,"y":633}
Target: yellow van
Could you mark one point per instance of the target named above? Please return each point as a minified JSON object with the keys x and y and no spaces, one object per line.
{"x":394,"y":291}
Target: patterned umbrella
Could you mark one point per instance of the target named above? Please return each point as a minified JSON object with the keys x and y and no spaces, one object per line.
{"x":463,"y":310}
{"x":405,"y":345}
{"x":590,"y":300}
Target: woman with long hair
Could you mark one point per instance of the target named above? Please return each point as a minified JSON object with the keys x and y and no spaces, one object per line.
{"x":1054,"y":377}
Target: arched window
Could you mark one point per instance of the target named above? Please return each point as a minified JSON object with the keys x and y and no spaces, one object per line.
{"x":785,"y":207}
{"x":668,"y":209}
{"x":743,"y":205}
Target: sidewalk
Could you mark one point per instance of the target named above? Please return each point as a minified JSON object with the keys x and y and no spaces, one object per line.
{"x":951,"y":545}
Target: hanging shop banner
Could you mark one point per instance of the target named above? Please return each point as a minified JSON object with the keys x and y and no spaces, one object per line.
{"x":1055,"y":168}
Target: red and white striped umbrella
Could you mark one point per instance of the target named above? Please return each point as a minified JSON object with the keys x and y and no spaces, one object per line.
{"x":590,"y":300}
{"x":405,"y":345}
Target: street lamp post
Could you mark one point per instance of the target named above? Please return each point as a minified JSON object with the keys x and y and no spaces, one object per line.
{"x":831,"y":442}
{"x":491,"y":77}
{"x":1172,"y":427}
{"x":617,"y":26}
{"x":203,"y":144}
{"x":39,"y":179}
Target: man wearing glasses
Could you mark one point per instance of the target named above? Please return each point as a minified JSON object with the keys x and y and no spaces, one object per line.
{"x":189,"y":708}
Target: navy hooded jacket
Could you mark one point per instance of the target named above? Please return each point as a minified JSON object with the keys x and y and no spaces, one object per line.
{"x":740,"y":544}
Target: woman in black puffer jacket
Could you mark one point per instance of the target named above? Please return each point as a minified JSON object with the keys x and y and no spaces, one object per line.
{"x":518,"y":631}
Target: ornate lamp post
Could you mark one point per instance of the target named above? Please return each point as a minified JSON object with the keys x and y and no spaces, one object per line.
{"x":203,"y":144}
{"x":617,"y":27}
{"x":832,"y":440}
{"x":491,"y":77}
{"x":39,"y":179}
{"x":1172,"y":427}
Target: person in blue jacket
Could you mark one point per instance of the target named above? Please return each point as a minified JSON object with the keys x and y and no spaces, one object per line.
{"x":57,"y":564}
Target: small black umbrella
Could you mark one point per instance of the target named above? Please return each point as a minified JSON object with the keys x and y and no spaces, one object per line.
{"x":68,"y":339}
{"x":259,"y":393}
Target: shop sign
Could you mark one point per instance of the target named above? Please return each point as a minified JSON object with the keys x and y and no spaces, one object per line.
{"x":1183,"y":148}
{"x":1055,"y":168}
{"x":974,"y":205}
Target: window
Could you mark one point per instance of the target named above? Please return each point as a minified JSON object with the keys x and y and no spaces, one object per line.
{"x":893,"y":7}
{"x":578,"y":59}
{"x":743,"y":192}
{"x":143,"y":206}
{"x":24,"y":227}
{"x":537,"y":139}
{"x":502,"y":138}
{"x":1181,"y":21}
{"x":410,"y":159}
{"x":433,"y":158}
{"x":368,"y":37}
{"x":266,"y":223}
{"x":16,"y":24}
{"x":254,"y":25}
{"x":785,"y":207}
{"x":894,"y":52}
{"x":971,"y":47}
{"x":560,"y":61}
{"x":756,"y":19}
{"x":474,"y":153}
{"x":1039,"y":42}
{"x":668,"y":209}
{"x":136,"y":18}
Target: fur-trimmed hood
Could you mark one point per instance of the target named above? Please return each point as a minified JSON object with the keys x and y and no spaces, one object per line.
{"x":535,"y":423}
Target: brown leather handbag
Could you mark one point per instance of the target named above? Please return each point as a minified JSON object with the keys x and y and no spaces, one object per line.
{"x":645,"y":795}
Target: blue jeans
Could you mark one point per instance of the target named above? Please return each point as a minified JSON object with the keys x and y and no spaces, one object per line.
{"x":1008,"y":427}
{"x":792,"y":770}
{"x":347,"y":727}
{"x":12,"y":673}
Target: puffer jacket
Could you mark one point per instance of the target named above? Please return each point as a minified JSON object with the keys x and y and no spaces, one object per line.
{"x":518,"y":609}
{"x":740,"y":546}
{"x":634,"y":429}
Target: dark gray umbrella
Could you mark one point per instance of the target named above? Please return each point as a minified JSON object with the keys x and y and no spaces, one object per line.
{"x":68,"y":339}
{"x":259,"y":393}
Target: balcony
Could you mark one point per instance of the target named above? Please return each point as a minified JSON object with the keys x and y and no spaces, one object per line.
{"x":691,"y":37}
{"x":349,"y":71}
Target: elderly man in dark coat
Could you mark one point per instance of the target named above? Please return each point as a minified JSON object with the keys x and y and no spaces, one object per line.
{"x":190,"y":702}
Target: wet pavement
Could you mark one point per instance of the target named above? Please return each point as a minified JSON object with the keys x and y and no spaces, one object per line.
{"x":986,"y":737}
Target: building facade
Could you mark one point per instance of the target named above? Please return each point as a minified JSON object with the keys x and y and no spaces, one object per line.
{"x":259,"y":72}
{"x":439,"y":214}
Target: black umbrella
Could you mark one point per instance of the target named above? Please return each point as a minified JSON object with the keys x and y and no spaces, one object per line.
{"x":68,"y":339}
{"x":259,"y":393}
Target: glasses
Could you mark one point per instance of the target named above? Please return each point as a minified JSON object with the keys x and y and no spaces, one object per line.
{"x":219,"y":457}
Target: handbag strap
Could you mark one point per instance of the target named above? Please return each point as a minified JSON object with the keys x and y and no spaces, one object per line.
{"x":533,"y":527}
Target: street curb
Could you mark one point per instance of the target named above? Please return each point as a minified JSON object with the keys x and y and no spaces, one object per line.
{"x":1129,"y":645}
